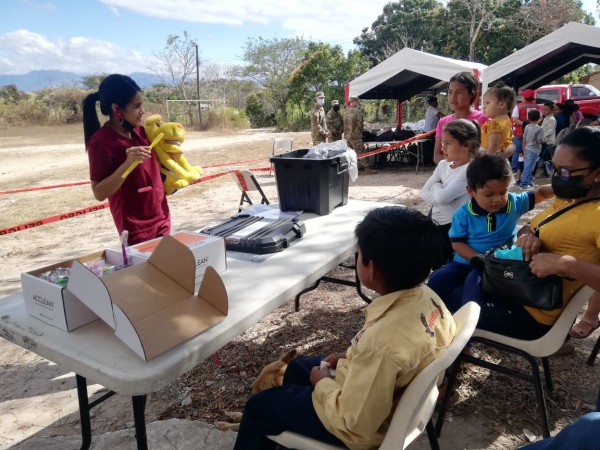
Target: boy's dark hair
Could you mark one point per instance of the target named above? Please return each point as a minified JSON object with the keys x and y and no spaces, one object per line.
{"x":534,"y":114}
{"x":432,"y":99}
{"x":470,"y":82}
{"x":119,"y":89}
{"x":485,"y":168}
{"x":466,"y":132}
{"x":505,"y":94}
{"x":559,"y":106}
{"x":550,"y":105}
{"x":403,"y":243}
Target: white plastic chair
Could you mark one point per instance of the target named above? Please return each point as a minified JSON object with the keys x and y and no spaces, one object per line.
{"x":246,"y":182}
{"x":282,"y":143}
{"x":542,"y":348}
{"x":414,"y":410}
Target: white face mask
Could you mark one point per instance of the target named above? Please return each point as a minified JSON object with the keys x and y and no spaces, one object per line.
{"x":321,"y":101}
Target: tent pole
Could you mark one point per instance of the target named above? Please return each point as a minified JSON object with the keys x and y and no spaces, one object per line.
{"x":477,"y":74}
{"x":398,"y":114}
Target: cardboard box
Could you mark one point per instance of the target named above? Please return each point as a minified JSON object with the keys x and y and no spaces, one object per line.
{"x":53,"y":303}
{"x":207,"y":250}
{"x":152,"y":306}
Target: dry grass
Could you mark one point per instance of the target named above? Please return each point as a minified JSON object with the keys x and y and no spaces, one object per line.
{"x":12,"y":137}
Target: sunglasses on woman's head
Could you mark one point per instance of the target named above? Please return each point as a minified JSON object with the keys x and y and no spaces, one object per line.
{"x":561,"y":172}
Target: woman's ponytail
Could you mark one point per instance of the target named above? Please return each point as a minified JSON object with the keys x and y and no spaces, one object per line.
{"x":91,"y":124}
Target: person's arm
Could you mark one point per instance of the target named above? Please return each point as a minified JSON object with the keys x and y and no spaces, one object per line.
{"x":524,"y":143}
{"x":494,"y":143}
{"x":464,"y":250}
{"x":365,"y":400}
{"x":540,"y":136}
{"x":112,"y":183}
{"x":444,"y":194}
{"x":515,"y":116}
{"x":459,"y":233}
{"x":435,"y":178}
{"x":550,"y":128}
{"x":439,"y":115}
{"x":543,"y":193}
{"x":545,"y":264}
{"x":438,"y":155}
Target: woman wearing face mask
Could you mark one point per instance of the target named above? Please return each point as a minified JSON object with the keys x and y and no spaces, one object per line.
{"x":335,"y":122}
{"x":569,"y":245}
{"x":138,"y":203}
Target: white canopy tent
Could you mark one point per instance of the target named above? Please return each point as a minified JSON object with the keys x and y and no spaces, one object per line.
{"x":547,"y":59}
{"x":407,"y":73}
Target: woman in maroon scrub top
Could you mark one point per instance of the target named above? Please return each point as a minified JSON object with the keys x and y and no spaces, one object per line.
{"x":138,"y":204}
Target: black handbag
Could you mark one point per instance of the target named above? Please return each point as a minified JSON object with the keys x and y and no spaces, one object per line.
{"x":511,"y":281}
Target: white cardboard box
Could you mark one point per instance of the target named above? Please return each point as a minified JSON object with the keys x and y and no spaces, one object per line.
{"x":53,"y":303}
{"x":152,"y":306}
{"x":207,"y":251}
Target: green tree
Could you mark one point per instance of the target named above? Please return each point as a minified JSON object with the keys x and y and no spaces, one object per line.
{"x":92,"y":82}
{"x":577,"y":75}
{"x":325,"y":68}
{"x":406,"y":23}
{"x":258,"y":112}
{"x":11,"y":94}
{"x":270,"y":64}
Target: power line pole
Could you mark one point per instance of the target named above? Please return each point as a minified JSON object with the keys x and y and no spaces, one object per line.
{"x":198,"y":86}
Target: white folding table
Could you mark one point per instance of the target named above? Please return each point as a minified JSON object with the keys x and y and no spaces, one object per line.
{"x":254,"y":290}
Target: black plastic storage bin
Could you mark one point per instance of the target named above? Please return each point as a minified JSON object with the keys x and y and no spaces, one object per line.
{"x":317,"y":185}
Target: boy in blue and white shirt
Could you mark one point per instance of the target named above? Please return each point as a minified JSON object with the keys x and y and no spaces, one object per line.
{"x":488,"y":221}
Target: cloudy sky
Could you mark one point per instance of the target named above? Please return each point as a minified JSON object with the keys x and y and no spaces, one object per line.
{"x":89,"y":36}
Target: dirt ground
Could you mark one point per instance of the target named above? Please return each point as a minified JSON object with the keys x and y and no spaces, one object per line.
{"x":38,"y":398}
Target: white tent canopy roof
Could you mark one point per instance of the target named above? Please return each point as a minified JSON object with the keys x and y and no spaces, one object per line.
{"x":548,"y":58}
{"x":408,"y":73}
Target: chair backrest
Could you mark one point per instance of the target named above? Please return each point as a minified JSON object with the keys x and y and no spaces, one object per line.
{"x":418,"y":401}
{"x":283,"y":143}
{"x":243,"y":179}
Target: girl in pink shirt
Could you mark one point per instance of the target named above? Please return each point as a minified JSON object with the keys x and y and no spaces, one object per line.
{"x":462,"y":91}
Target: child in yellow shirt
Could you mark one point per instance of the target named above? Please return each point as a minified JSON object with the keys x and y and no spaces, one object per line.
{"x":496,"y":135}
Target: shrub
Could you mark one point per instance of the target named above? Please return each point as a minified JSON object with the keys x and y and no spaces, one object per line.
{"x":231,"y":118}
{"x":24,"y":112}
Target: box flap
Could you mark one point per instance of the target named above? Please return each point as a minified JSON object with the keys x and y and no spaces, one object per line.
{"x":213,"y":291}
{"x":91,"y":291}
{"x":175,"y":260}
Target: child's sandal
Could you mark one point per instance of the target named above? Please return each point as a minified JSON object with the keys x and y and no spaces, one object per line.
{"x":584,"y":328}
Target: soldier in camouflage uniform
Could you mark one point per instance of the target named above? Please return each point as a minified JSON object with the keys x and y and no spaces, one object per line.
{"x":319,"y":131}
{"x":335,"y":122}
{"x":353,"y":129}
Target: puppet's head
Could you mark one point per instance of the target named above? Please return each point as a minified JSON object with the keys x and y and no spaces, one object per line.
{"x":174,"y":135}
{"x":177,"y":173}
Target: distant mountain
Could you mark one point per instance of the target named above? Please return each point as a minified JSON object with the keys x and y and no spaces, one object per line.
{"x":37,"y":79}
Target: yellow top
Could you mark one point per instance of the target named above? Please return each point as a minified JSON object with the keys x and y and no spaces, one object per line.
{"x":502,"y":126}
{"x":403,"y":332}
{"x":575,"y":233}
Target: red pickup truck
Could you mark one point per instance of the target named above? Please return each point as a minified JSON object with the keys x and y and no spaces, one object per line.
{"x":587,"y":97}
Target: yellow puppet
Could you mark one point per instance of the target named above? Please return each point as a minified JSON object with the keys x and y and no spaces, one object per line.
{"x":177,"y":172}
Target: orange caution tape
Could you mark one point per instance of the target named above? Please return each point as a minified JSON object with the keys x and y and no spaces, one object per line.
{"x":51,"y":219}
{"x":41,"y":188}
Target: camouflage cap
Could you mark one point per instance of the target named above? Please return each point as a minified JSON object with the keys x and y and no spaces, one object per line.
{"x":353,"y":99}
{"x":334,"y":102}
{"x":319,"y":94}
